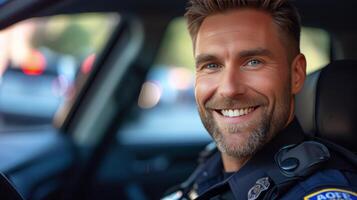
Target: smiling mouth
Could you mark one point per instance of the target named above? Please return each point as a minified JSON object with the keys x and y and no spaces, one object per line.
{"x":236,"y":112}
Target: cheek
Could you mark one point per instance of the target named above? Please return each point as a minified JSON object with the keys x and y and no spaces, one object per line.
{"x":204,"y":88}
{"x":269,"y":84}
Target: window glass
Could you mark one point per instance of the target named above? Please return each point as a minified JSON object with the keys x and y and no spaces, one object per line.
{"x":41,"y":60}
{"x":167,"y":104}
{"x":315,"y":45}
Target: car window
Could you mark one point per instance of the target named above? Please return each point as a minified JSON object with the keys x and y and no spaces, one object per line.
{"x":166,"y":109}
{"x":315,"y":45}
{"x":42,"y":60}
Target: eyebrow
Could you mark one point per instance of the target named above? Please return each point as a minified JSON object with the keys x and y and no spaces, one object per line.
{"x":243,"y":54}
{"x":202,"y":58}
{"x":255,"y":52}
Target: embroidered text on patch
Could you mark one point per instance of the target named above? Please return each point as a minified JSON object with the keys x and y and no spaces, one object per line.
{"x":332,"y":194}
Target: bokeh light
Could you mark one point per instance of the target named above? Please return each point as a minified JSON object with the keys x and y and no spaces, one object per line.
{"x":150,"y":95}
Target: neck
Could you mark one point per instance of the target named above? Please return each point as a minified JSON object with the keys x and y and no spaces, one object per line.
{"x":233,"y":164}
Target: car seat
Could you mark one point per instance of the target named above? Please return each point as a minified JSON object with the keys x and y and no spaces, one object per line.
{"x":327,"y":105}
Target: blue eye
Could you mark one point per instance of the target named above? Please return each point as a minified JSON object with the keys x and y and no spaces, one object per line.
{"x":253,"y":63}
{"x":212,"y":66}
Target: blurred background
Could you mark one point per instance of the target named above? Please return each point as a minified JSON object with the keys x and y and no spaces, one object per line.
{"x":43,"y":61}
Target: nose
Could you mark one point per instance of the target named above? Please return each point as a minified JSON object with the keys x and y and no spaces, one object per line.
{"x":232,"y":82}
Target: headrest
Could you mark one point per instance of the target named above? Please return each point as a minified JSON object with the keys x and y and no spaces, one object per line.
{"x":327,"y":105}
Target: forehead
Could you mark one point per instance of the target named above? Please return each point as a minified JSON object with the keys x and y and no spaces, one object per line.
{"x":242,"y":27}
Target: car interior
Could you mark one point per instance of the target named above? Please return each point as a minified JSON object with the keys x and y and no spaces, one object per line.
{"x":103,"y":144}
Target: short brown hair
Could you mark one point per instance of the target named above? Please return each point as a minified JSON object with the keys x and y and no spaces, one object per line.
{"x":284,"y":14}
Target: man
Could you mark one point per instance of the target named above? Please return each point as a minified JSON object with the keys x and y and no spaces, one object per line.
{"x":248,"y":70}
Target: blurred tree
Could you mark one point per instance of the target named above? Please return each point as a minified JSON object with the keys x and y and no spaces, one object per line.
{"x":76,"y":35}
{"x":74,"y":40}
{"x":177,"y":47}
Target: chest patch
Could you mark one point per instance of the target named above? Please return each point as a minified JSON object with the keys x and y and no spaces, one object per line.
{"x":260,"y":186}
{"x":332,"y":194}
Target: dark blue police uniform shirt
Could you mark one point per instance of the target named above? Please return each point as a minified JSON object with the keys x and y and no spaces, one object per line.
{"x":323,"y":184}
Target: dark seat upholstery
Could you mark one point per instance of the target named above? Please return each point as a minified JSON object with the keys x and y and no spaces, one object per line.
{"x":327,"y":105}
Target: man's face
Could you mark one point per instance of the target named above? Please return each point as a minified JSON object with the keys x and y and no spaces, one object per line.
{"x":244,"y":80}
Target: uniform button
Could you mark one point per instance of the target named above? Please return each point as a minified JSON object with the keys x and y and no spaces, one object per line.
{"x":289,"y":164}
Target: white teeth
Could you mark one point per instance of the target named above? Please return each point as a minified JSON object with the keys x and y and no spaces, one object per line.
{"x":236,"y":112}
{"x":231,"y":113}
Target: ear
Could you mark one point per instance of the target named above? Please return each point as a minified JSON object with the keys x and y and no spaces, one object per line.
{"x":298,"y":73}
